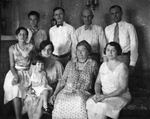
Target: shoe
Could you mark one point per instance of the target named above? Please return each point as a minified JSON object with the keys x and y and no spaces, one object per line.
{"x":47,"y":111}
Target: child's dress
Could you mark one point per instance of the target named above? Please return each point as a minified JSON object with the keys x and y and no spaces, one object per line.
{"x":41,"y":81}
{"x":22,"y":62}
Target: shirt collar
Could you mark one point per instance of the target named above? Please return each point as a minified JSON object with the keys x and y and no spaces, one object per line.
{"x":88,"y":27}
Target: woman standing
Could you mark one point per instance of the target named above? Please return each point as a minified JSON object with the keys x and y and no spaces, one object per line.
{"x":74,"y":87}
{"x":17,"y":78}
{"x":111,"y":87}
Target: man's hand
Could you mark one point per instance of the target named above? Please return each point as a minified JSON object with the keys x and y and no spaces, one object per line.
{"x":131,"y":70}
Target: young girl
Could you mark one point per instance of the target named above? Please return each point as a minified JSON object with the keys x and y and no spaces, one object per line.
{"x":17,"y":79}
{"x":39,"y":81}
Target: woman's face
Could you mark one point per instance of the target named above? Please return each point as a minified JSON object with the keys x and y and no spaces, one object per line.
{"x":82,"y":53}
{"x":47,"y":51}
{"x":111,"y":52}
{"x":22,"y":36}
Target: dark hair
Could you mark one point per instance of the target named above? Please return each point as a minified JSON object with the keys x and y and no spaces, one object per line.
{"x":38,"y":58}
{"x":115,"y":6}
{"x":85,"y":44}
{"x":57,"y":8}
{"x":116,"y":45}
{"x":19,"y":29}
{"x":34,"y":13}
{"x":44,"y":43}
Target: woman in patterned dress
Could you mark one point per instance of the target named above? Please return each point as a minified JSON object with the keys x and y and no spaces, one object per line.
{"x":111,"y":87}
{"x":73,"y":89}
{"x":17,"y":78}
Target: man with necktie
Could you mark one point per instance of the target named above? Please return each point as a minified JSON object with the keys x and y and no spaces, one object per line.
{"x":61,"y":35}
{"x":125,"y":34}
{"x":93,"y":34}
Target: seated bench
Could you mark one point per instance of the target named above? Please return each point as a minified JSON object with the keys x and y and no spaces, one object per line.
{"x":139,"y":107}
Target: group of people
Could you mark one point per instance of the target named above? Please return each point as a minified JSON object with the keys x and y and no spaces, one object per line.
{"x":63,"y":69}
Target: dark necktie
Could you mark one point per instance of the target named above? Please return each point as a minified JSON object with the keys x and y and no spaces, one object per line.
{"x":116,"y":33}
{"x":59,"y":25}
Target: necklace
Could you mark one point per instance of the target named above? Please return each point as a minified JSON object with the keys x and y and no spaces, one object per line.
{"x":82,"y":62}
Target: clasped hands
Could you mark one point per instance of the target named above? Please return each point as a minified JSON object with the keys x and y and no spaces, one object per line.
{"x":98,"y":97}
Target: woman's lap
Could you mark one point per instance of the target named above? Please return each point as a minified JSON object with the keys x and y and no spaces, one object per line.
{"x":69,"y":106}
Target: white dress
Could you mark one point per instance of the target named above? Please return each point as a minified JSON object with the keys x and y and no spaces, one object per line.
{"x":109,"y":81}
{"x":40,"y":80}
{"x":22,"y":61}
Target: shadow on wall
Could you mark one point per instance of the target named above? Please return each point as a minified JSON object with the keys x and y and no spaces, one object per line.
{"x":140,"y":74}
{"x":131,"y":17}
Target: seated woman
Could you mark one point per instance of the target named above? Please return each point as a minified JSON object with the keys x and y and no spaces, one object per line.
{"x":111,"y":87}
{"x":73,"y":88}
{"x":17,"y":78}
{"x":54,"y":70}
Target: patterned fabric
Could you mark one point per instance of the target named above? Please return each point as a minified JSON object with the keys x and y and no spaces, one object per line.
{"x":22,"y":61}
{"x":70,"y":102}
{"x":140,"y":100}
{"x":39,"y":36}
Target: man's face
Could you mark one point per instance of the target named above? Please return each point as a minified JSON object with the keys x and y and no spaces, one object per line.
{"x":59,"y":16}
{"x":33,"y":19}
{"x":116,"y":14}
{"x":87,"y":17}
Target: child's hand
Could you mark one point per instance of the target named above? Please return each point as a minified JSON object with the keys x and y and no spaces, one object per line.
{"x":15,"y":81}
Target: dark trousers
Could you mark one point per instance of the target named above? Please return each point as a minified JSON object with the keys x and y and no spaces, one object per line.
{"x":63,"y":59}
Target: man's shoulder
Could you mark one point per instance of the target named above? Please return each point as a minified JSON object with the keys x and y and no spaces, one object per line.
{"x":128,"y":24}
{"x":68,"y":25}
{"x":80,"y":28}
{"x":109,"y":26}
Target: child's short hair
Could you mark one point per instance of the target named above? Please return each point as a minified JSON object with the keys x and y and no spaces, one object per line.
{"x":38,"y":59}
{"x":19,"y":29}
{"x":34,"y":13}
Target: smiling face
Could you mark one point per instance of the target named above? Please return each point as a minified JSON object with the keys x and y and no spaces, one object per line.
{"x":59,"y":16}
{"x":116,"y":14}
{"x":22,"y":36}
{"x":87,"y":17}
{"x":39,"y":66}
{"x":82,"y":53}
{"x":33,"y":20}
{"x":111,"y":52}
{"x":47,"y":51}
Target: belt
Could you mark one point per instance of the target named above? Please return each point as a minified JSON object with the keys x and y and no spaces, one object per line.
{"x":126,"y":53}
{"x":61,"y":56}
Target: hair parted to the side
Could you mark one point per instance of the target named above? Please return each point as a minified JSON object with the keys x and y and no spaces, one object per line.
{"x":115,"y":6}
{"x":19,"y":29}
{"x":116,"y":45}
{"x":57,"y":8}
{"x":38,"y":58}
{"x":44,"y":43}
{"x":85,"y":44}
{"x":34,"y":13}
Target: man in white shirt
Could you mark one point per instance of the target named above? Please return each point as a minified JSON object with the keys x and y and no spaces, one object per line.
{"x":127,"y":37}
{"x":61,"y":35}
{"x":93,"y":34}
{"x":36,"y":35}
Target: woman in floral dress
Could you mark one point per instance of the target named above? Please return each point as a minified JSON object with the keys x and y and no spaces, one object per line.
{"x":74,"y":87}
